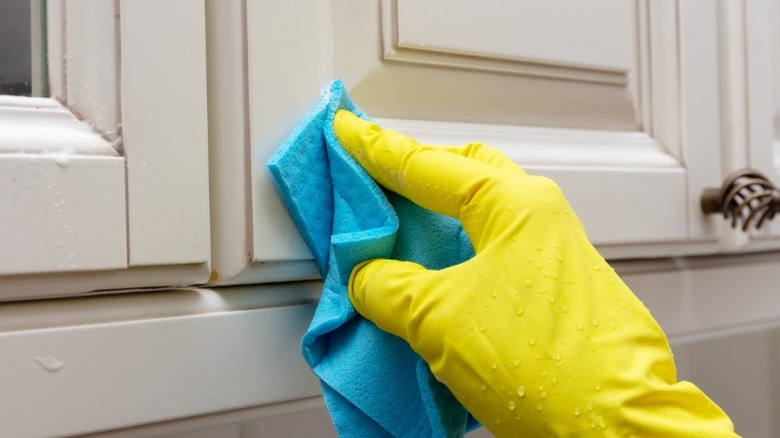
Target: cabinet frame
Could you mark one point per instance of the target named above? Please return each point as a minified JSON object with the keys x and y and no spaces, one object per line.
{"x":128,"y":80}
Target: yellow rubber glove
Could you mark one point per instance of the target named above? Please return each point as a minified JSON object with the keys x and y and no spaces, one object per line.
{"x":536,"y":335}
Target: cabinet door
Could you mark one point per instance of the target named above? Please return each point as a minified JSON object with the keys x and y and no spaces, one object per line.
{"x":615,"y":108}
{"x":750,"y":47}
{"x":617,"y":101}
{"x":105,"y":184}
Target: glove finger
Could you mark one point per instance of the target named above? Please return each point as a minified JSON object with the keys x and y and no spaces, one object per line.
{"x":388,"y":293}
{"x":487,"y":155}
{"x":436,"y":179}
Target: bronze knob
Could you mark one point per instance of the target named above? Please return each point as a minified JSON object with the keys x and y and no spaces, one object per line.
{"x":747,"y":196}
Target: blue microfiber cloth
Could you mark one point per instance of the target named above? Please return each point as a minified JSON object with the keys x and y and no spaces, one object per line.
{"x":373,"y":383}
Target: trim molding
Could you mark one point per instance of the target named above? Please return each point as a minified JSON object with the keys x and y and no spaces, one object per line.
{"x":395,"y":51}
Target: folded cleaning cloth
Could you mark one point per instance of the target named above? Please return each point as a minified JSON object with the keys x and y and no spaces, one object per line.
{"x":373,"y":383}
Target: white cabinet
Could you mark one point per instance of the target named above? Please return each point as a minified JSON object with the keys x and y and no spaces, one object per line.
{"x":147,"y":169}
{"x":105,"y":185}
{"x":635,"y":109}
{"x":617,"y":101}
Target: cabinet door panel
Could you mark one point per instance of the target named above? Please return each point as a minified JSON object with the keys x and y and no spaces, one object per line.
{"x":105,"y":185}
{"x":470,"y":67}
{"x":558,"y":108}
{"x":479,"y":75}
{"x":599,"y":109}
{"x":597,"y":35}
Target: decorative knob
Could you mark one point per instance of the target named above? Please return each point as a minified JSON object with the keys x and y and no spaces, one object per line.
{"x":747,"y":196}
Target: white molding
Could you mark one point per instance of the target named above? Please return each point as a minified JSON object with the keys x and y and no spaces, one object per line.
{"x":234,"y":258}
{"x":761,"y":49}
{"x":55,"y":174}
{"x":41,"y":125}
{"x":733,"y":62}
{"x":394,"y":50}
{"x":91,"y":43}
{"x":164,"y":130}
{"x":663,"y":69}
{"x":75,"y":283}
{"x":150,"y":304}
{"x":229,"y":155}
{"x":163,"y":170}
{"x":283,"y":83}
{"x":83,"y":62}
{"x":699,"y":110}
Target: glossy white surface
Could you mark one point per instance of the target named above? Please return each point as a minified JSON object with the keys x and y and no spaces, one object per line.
{"x":79,"y":200}
{"x":104,"y":370}
{"x":164,"y":130}
{"x":22,"y":120}
{"x":55,"y":218}
{"x":644,"y":138}
{"x":596,"y":34}
{"x":223,"y":375}
{"x":92,"y":72}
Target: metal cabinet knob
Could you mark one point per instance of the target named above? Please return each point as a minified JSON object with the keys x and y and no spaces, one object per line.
{"x":747,"y":196}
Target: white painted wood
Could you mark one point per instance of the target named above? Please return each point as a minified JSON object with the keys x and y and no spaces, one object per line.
{"x":598,"y":35}
{"x":21,"y":126}
{"x":762,"y":20}
{"x":610,"y":213}
{"x":700,"y":111}
{"x":229,"y":159}
{"x":692,"y":298}
{"x":733,"y":103}
{"x":283,"y":84}
{"x":164,"y":125}
{"x":648,"y":142}
{"x":733,"y":83}
{"x":663,"y":70}
{"x":50,"y":314}
{"x":89,"y":377}
{"x":405,"y":88}
{"x":165,"y":174}
{"x":471,"y":99}
{"x":92,"y":64}
{"x":747,"y":49}
{"x":69,"y":283}
{"x":56,"y":218}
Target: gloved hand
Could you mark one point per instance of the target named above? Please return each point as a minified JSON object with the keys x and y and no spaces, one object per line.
{"x":535,"y":335}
